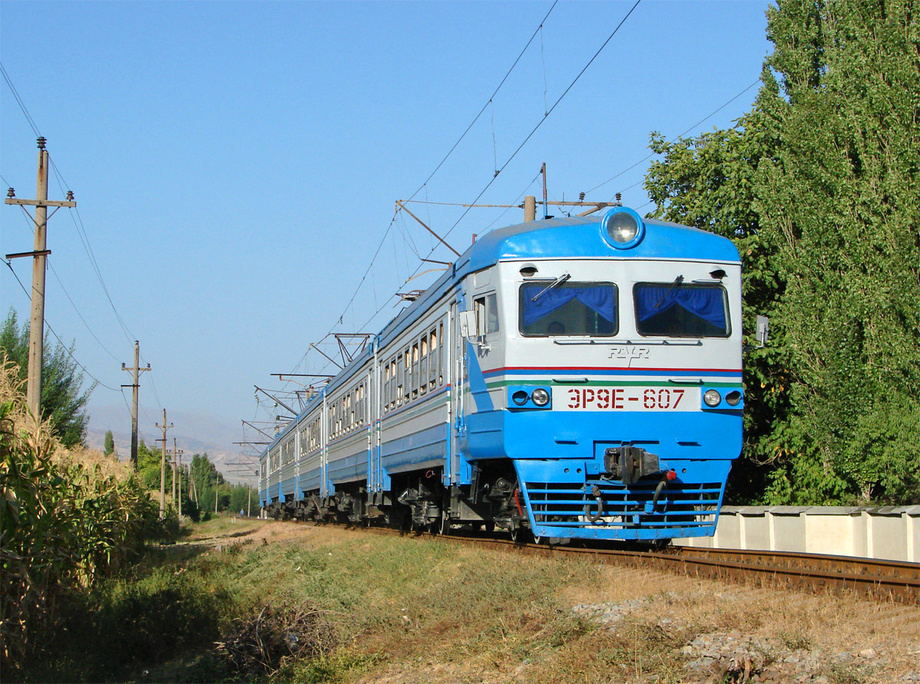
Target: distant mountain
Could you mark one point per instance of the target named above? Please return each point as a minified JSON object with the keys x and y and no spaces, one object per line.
{"x":195,"y":432}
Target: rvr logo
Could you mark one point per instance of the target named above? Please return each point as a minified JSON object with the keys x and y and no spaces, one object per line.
{"x":628,"y":353}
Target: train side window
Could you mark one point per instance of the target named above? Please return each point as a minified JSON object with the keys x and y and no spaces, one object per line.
{"x":433,"y":359}
{"x":415,"y":370}
{"x":423,"y":373}
{"x":401,"y":377}
{"x":678,"y":310}
{"x":441,"y":355}
{"x":386,"y":387}
{"x":486,"y":308}
{"x":407,"y":385}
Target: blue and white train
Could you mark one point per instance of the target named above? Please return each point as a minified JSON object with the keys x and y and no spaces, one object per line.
{"x":565,"y":378}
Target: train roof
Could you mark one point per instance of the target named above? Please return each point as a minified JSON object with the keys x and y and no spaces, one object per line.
{"x":578,"y":237}
{"x":581,"y":237}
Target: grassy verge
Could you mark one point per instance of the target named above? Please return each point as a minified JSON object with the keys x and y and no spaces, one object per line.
{"x":299,"y":603}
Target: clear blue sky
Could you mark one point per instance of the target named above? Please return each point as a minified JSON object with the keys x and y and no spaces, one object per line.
{"x":236,"y":164}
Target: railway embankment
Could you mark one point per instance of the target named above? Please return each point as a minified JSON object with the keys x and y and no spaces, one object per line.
{"x":299,"y":602}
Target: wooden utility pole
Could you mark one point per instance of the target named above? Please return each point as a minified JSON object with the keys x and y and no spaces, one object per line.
{"x":164,"y":427}
{"x":37,"y":320}
{"x":136,"y":370}
{"x":545,"y":207}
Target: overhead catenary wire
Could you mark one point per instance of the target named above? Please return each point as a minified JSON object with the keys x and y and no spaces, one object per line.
{"x":544,"y":118}
{"x":488,"y":101}
{"x":434,"y":172}
{"x":507,"y":161}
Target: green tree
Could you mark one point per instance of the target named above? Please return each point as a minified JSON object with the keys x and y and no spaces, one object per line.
{"x":62,"y":400}
{"x":709,"y":182}
{"x":844,"y":182}
{"x":817,"y":185}
{"x":109,"y":446}
{"x":148,"y":466}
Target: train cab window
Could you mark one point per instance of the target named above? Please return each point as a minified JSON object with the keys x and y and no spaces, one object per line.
{"x":678,"y":310}
{"x":486,"y":308}
{"x":548,"y":309}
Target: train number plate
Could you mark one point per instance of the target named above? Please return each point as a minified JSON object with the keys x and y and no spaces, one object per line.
{"x":626,"y":398}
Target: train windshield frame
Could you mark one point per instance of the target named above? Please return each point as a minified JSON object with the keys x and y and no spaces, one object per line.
{"x":678,"y":310}
{"x":562,"y":309}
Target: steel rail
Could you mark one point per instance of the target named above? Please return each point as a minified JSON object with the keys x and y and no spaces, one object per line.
{"x":877,"y":579}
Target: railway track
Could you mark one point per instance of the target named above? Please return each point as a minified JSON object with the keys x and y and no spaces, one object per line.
{"x":879,"y":580}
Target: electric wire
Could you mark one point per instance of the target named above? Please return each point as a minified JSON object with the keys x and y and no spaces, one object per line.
{"x":677,"y":137}
{"x":519,"y":148}
{"x":87,"y":247}
{"x":60,"y":341}
{"x":488,"y":102}
{"x":19,"y":101}
{"x":545,"y":117}
{"x":437,"y":168}
{"x":31,"y":223}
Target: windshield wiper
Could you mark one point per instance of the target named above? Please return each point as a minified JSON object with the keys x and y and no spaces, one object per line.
{"x":677,"y":281}
{"x":553,"y":285}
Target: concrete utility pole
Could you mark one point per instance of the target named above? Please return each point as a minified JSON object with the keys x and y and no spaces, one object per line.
{"x":164,"y":427}
{"x":179,"y":457}
{"x":175,"y":470}
{"x":137,"y":370}
{"x":37,"y":320}
{"x":530,"y":208}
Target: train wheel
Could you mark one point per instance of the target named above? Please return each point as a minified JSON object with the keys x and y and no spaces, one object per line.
{"x":521,"y":535}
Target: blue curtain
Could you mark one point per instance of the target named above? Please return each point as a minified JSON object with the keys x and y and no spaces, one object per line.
{"x":599,"y":298}
{"x":705,"y":302}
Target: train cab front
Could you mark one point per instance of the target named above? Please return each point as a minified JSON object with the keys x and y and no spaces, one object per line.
{"x":614,"y":382}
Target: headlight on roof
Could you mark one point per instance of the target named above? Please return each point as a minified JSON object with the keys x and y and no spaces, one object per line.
{"x":712,"y":398}
{"x":623,"y":228}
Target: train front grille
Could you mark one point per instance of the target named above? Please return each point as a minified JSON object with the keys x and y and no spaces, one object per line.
{"x":680,"y":506}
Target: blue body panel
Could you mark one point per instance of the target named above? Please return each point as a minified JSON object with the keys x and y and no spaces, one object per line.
{"x":416,"y":450}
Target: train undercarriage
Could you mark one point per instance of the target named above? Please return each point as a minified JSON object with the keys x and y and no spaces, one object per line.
{"x":419,"y":501}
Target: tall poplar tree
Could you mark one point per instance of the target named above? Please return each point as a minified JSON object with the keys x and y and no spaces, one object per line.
{"x":818,"y":187}
{"x":841,"y":196}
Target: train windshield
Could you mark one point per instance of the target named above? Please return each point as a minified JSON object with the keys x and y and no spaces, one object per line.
{"x":678,"y":310}
{"x":561,"y":307}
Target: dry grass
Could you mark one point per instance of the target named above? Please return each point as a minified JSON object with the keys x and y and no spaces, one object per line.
{"x":464,"y":615}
